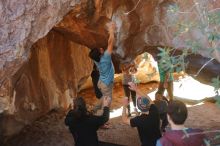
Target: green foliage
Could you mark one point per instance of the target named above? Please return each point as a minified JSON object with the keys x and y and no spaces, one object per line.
{"x":206,"y":21}
{"x":214,"y":18}
{"x":214,"y":36}
{"x":173,"y":8}
{"x":217,"y":98}
{"x":184,"y":27}
{"x":171,"y":63}
{"x":193,"y":45}
{"x":216,"y":83}
{"x":165,"y":61}
{"x":217,"y":137}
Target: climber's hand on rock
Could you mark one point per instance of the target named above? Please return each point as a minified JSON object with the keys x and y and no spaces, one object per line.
{"x":132,"y":86}
{"x":111,"y":27}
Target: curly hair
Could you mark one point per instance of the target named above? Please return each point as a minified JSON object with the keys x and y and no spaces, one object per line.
{"x":95,"y":54}
{"x":80,"y":110}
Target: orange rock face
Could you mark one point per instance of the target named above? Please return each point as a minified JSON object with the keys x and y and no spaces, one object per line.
{"x":55,"y":70}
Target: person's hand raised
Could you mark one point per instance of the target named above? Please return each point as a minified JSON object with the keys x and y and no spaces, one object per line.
{"x":132,"y":86}
{"x":111,"y":27}
{"x":125,"y":101}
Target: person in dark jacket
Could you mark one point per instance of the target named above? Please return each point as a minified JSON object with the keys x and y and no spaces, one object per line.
{"x":179,"y":135}
{"x":82,"y":125}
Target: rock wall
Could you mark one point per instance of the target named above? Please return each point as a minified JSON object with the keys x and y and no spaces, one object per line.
{"x":48,"y":80}
{"x":22,"y":23}
{"x":145,"y":25}
{"x":141,"y":24}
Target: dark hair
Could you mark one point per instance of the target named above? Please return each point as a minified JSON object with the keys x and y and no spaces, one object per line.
{"x":80,"y":110}
{"x":95,"y":54}
{"x":159,"y":92}
{"x":177,"y":111}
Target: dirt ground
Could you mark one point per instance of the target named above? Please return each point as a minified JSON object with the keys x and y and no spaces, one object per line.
{"x":51,"y":131}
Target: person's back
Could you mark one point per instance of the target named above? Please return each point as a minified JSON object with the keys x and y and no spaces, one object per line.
{"x":186,"y":137}
{"x":148,"y":126}
{"x":148,"y":123}
{"x":179,"y":135}
{"x":106,"y":68}
{"x":84,"y":131}
{"x":84,"y":126}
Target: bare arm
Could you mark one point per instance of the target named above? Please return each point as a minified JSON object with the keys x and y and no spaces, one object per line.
{"x":134,"y":87}
{"x":111,"y":38}
{"x":125,"y":118}
{"x":100,"y":120}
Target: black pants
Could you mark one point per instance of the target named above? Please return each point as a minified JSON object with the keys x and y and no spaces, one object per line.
{"x":161,"y":89}
{"x":163,"y":117}
{"x":95,"y":79}
{"x":129,"y":93}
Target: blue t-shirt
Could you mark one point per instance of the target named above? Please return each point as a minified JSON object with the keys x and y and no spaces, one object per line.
{"x":106,"y":68}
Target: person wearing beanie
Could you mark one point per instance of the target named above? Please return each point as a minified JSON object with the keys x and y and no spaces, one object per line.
{"x":148,"y":122}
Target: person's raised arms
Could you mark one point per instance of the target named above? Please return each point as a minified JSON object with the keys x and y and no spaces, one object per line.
{"x":133,"y":87}
{"x":111,"y":39}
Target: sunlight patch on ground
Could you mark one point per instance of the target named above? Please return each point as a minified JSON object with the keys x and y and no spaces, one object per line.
{"x":115,"y":113}
{"x":189,"y":88}
{"x":152,"y":94}
{"x":186,"y":88}
{"x":118,"y":112}
{"x":188,"y":105}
